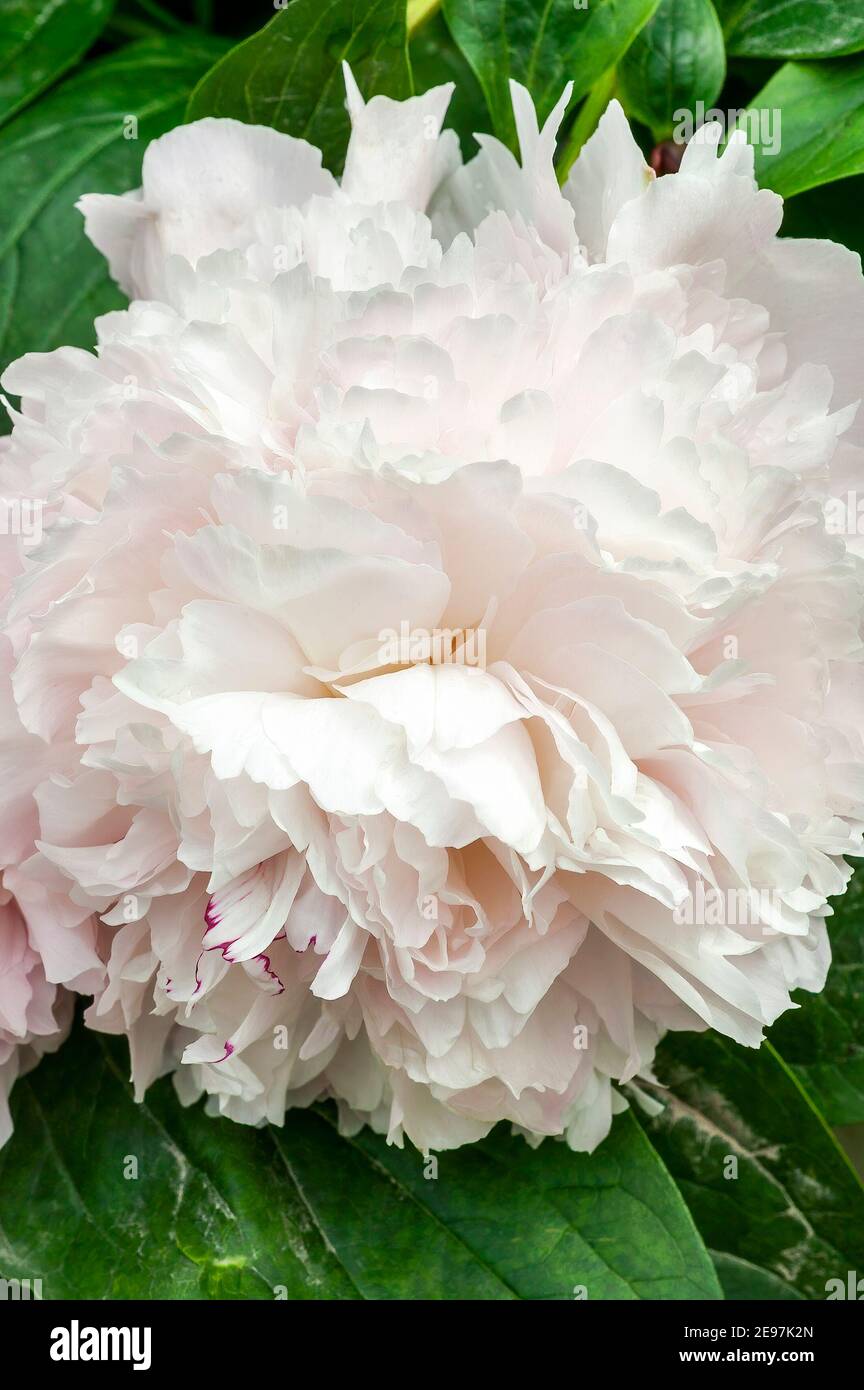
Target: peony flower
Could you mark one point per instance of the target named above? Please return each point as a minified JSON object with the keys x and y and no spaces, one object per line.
{"x":437,"y":676}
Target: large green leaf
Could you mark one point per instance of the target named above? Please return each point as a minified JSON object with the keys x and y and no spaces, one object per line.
{"x":436,"y":59}
{"x":824,"y":1039}
{"x":543,"y":46}
{"x":289,"y":74}
{"x":73,"y":141}
{"x":146,"y":19}
{"x":792,"y":28}
{"x":222,"y":1210}
{"x":832,"y":213}
{"x":39,"y":40}
{"x":825,"y":1044}
{"x":788,"y":1214}
{"x":822,"y":133}
{"x":676,"y":61}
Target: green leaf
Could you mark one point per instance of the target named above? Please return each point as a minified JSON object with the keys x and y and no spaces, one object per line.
{"x":39,"y":40}
{"x":832,"y":213}
{"x":846,"y":926}
{"x":222,"y":1210}
{"x":289,"y":74}
{"x":52,"y":281}
{"x":742,"y":1280}
{"x":821,"y":106}
{"x":793,"y":1217}
{"x":792,"y":28}
{"x":825,"y":1045}
{"x":137,"y":19}
{"x":677,"y":60}
{"x":824,"y":1039}
{"x":543,"y":46}
{"x":436,"y":59}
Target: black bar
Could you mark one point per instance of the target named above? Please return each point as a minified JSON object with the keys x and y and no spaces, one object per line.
{"x":206,"y":1337}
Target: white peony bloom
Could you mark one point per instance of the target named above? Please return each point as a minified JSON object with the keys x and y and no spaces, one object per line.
{"x":438,"y":675}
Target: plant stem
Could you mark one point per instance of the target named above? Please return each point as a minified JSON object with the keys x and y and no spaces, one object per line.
{"x":586,"y":122}
{"x":418,"y":12}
